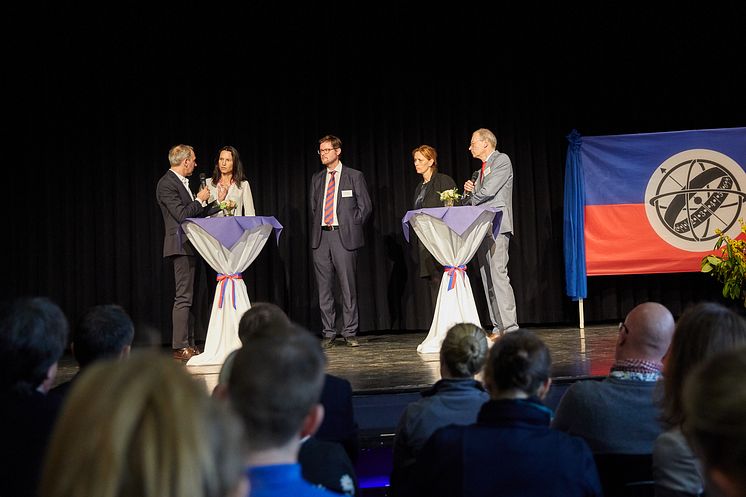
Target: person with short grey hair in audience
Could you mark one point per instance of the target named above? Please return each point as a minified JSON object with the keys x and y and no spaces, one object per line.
{"x":454,"y":399}
{"x":703,"y":330}
{"x":715,"y":419}
{"x":33,"y":336}
{"x":511,"y":449}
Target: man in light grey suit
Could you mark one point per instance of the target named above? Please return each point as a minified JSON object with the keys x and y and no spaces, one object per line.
{"x":340,"y":205}
{"x":494,"y":188}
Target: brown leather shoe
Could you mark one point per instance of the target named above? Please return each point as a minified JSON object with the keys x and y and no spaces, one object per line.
{"x":195,"y":350}
{"x":183,"y":355}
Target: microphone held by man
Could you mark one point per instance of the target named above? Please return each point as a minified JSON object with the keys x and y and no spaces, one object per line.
{"x":469,"y":188}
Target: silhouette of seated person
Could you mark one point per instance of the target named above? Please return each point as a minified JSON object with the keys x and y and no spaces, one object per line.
{"x":511,"y":450}
{"x":714,"y":402}
{"x":275,"y":383}
{"x":621,"y":414}
{"x":454,"y":399}
{"x":104,"y":332}
{"x":144,"y":427}
{"x":702,"y":330}
{"x":339,"y":423}
{"x":33,"y":336}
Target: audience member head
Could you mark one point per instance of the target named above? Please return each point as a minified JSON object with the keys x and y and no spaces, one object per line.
{"x":33,"y":336}
{"x":261,"y":315}
{"x":275,"y":385}
{"x":703,"y":330}
{"x":463,"y":351}
{"x":518,"y":366}
{"x":714,"y":402}
{"x":143,"y":427}
{"x":104,"y":331}
{"x":645,"y":333}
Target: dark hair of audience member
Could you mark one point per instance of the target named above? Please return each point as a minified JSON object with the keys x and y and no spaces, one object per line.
{"x":275,"y":382}
{"x":260,"y":315}
{"x":714,"y":401}
{"x":33,"y":336}
{"x":143,"y":427}
{"x":102,"y":332}
{"x":464,"y":350}
{"x":519,"y":361}
{"x":702,"y":330}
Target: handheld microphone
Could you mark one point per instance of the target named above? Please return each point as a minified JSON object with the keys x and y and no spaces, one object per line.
{"x":202,"y":181}
{"x":467,"y":196}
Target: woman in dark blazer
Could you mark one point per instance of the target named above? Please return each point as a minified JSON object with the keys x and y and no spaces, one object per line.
{"x":427,"y":194}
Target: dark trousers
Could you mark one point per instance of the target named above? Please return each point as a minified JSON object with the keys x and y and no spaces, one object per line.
{"x":181,"y":316}
{"x":330,"y":259}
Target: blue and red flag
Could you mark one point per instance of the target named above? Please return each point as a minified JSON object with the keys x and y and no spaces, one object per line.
{"x":650,"y":203}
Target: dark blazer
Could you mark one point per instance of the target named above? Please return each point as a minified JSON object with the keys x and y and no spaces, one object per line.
{"x":339,"y":423}
{"x":428,"y":266}
{"x":176,"y":205}
{"x":510,"y":451}
{"x":352,"y":211}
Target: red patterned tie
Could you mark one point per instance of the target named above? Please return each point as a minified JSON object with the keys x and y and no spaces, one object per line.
{"x":329,"y":202}
{"x":481,"y":176}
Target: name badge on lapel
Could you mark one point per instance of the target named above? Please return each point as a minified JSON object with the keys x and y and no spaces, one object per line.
{"x":346,"y":193}
{"x":486,"y":171}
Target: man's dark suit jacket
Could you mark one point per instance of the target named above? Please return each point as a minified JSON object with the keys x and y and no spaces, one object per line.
{"x":352,"y":211}
{"x":176,"y":205}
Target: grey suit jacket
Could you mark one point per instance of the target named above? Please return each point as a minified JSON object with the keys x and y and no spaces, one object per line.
{"x":176,"y":205}
{"x":496,"y":188}
{"x":352,"y":211}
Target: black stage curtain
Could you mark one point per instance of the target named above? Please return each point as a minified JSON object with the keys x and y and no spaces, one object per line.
{"x":99,"y":112}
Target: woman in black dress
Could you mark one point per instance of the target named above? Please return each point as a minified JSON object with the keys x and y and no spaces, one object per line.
{"x":426,"y":194}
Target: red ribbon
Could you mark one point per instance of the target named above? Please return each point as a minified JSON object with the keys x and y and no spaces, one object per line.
{"x":223,"y":278}
{"x":452,"y":272}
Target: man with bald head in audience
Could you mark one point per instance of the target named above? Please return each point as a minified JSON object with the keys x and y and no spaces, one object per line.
{"x":620,"y":414}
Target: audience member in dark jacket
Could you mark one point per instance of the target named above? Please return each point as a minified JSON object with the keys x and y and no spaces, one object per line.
{"x":511,"y":450}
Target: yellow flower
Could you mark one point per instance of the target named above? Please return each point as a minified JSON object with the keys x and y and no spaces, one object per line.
{"x":728,"y":264}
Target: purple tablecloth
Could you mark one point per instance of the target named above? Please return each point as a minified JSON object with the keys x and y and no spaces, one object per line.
{"x":456,"y":218}
{"x":228,"y":230}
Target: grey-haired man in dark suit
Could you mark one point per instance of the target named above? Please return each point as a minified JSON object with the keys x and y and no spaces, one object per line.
{"x":340,"y":205}
{"x":177,"y":202}
{"x":494,"y":188}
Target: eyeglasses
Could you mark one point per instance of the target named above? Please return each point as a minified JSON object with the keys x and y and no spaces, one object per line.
{"x":623,"y":326}
{"x":324,"y":150}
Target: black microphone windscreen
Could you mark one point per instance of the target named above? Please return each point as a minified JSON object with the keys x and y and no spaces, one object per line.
{"x":202,"y":181}
{"x":475,"y":176}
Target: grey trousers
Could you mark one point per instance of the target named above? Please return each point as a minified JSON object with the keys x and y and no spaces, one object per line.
{"x":492,"y":256}
{"x":181,"y":316}
{"x":330,"y":259}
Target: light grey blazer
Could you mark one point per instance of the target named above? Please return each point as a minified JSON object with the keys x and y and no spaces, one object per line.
{"x":242,"y":197}
{"x":496,"y":188}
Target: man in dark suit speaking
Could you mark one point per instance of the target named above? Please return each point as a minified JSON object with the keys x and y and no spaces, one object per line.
{"x":340,"y":205}
{"x":177,"y":202}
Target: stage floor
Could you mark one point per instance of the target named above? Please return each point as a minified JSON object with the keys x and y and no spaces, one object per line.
{"x":389,"y":363}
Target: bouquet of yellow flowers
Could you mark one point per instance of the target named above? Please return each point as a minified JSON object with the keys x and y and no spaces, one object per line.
{"x":228,"y":207}
{"x":728,"y":264}
{"x":449,"y":197}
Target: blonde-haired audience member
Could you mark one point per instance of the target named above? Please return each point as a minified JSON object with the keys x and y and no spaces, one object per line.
{"x":702,"y":331}
{"x":144,"y":428}
{"x":455,"y":398}
{"x":715,"y":410}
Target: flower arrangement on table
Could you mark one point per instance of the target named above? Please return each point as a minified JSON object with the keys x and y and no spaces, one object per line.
{"x":728,"y":264}
{"x":449,"y":197}
{"x":228,"y":207}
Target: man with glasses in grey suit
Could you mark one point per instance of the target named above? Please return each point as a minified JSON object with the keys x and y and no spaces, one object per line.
{"x":494,"y":188}
{"x":340,"y":205}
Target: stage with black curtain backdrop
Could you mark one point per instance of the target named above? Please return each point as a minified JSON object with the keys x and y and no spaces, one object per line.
{"x":97,"y":105}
